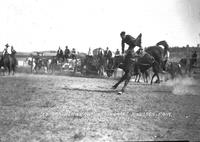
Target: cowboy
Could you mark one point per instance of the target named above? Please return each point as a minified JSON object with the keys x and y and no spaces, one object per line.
{"x":67,"y":52}
{"x":5,"y":51}
{"x":89,"y":52}
{"x":13,"y":52}
{"x":140,"y":52}
{"x":194,"y":57}
{"x":59,"y":52}
{"x":117,"y":53}
{"x":73,"y":53}
{"x":107,"y":53}
{"x":132,"y":42}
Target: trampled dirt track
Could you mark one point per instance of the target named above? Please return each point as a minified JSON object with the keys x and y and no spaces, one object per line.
{"x":48,"y":108}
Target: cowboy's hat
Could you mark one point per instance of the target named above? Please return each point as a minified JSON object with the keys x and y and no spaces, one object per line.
{"x":7,"y":45}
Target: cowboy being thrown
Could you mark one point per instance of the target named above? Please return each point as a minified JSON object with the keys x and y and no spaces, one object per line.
{"x":132,"y":43}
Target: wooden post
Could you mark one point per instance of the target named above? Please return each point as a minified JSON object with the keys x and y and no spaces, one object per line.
{"x":187,"y":59}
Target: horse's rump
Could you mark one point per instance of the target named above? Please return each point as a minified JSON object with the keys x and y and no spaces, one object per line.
{"x":155,"y":51}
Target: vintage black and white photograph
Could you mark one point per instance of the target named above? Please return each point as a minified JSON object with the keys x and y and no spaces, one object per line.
{"x":99,"y":70}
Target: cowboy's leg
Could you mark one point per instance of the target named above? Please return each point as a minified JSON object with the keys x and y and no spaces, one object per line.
{"x":128,"y":77}
{"x":121,"y":80}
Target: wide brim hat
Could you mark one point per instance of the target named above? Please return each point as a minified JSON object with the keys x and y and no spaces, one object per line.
{"x":7,"y":45}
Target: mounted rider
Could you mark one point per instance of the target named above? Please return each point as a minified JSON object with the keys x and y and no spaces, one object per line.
{"x":5,"y":51}
{"x":13,"y":52}
{"x":67,"y":52}
{"x":73,"y":53}
{"x":117,"y":53}
{"x":89,"y":52}
{"x":59,"y":53}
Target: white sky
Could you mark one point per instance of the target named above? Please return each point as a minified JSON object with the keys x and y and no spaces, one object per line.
{"x":38,"y":25}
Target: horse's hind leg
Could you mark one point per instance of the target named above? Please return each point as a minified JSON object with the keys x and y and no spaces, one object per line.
{"x":155,"y":70}
{"x":121,"y":80}
{"x":146,"y":75}
{"x":13,"y":70}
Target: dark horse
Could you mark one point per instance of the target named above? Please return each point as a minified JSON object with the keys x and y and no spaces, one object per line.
{"x":9,"y":63}
{"x":152,"y":58}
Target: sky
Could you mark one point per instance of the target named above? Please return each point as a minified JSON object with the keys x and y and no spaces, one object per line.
{"x":38,"y":25}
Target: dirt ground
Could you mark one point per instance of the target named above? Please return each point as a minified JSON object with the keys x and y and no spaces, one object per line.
{"x":50,"y":108}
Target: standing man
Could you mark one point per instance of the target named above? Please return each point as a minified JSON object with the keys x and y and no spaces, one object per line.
{"x":107,"y":54}
{"x":194,"y":57}
{"x":117,"y":53}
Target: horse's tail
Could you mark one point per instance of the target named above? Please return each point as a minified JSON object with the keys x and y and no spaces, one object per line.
{"x":165,"y":50}
{"x":163,"y":43}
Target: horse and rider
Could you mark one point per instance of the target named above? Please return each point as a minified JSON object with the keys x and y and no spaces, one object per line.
{"x":132,"y":62}
{"x":189,"y":63}
{"x":67,"y":53}
{"x":8,"y":59}
{"x":60,"y":55}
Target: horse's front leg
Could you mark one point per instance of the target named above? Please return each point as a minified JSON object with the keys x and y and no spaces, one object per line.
{"x":13,"y":70}
{"x":136,"y":77}
{"x":121,"y":80}
{"x":139,"y":77}
{"x":158,"y":78}
{"x":153,"y":78}
{"x":9,"y":70}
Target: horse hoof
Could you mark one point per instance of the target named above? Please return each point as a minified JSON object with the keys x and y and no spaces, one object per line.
{"x":157,"y":81}
{"x":119,"y":93}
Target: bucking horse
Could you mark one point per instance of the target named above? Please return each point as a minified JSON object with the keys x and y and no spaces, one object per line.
{"x":152,"y":57}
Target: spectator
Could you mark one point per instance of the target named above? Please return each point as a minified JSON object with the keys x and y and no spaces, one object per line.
{"x":117,"y":53}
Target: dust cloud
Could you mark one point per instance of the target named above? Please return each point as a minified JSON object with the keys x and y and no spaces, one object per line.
{"x":184,"y":86}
